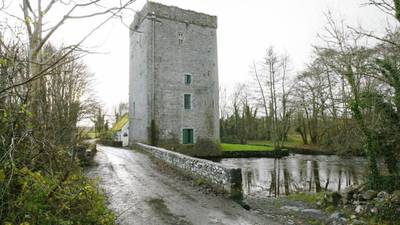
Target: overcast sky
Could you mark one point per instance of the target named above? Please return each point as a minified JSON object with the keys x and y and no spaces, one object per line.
{"x":245,"y":30}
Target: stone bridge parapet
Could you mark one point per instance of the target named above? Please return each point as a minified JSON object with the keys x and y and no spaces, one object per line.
{"x":220,"y":177}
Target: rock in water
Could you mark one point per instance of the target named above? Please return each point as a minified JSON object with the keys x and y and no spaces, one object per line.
{"x":332,"y":198}
{"x":357,"y":222}
{"x":336,"y":216}
{"x":382,"y":195}
{"x":336,"y":198}
{"x":359,"y":209}
{"x":370,"y":194}
{"x":395,"y":198}
{"x":349,"y":192}
{"x":374,"y":210}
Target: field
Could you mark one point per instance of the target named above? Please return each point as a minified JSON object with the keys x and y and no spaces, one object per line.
{"x":293,"y":141}
{"x":239,"y":147}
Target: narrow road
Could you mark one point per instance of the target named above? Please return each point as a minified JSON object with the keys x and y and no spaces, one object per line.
{"x":140,"y":194}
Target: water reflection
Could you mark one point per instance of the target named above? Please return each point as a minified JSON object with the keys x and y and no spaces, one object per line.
{"x":274,"y":177}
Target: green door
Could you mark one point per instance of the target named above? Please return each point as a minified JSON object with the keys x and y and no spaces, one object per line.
{"x":187,"y":136}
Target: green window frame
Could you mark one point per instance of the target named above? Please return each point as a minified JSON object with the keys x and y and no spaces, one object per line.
{"x":187,"y":136}
{"x":187,"y":101}
{"x":188,"y":79}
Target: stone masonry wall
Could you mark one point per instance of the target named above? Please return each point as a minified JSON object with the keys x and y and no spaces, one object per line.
{"x":197,"y":55}
{"x":166,"y":43}
{"x":139,"y":83}
{"x":217,"y":175}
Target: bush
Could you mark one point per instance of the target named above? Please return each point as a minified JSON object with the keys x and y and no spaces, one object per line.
{"x":80,"y":152}
{"x":93,"y":149}
{"x":110,"y":143}
{"x":85,"y":153}
{"x":59,"y":199}
{"x":230,"y":140}
{"x":205,"y":147}
{"x":389,"y":183}
{"x":106,"y":138}
{"x":387,"y":211}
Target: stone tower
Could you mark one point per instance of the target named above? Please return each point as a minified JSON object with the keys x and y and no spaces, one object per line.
{"x":173,"y":85}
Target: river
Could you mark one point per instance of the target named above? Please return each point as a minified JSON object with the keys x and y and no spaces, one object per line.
{"x":310,"y":173}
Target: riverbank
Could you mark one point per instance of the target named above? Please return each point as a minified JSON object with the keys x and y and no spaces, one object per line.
{"x":249,"y":151}
{"x":309,"y":151}
{"x":291,"y":211}
{"x":264,"y":148}
{"x":254,"y":154}
{"x":296,"y":146}
{"x":331,"y":208}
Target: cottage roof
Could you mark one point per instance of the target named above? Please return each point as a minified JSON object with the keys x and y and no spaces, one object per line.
{"x":120,"y":123}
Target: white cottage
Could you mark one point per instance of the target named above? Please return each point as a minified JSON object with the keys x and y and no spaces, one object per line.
{"x":121,"y":130}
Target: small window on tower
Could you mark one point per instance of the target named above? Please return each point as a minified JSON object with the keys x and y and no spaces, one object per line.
{"x":187,"y":101}
{"x":180,"y":38}
{"x":188,"y":79}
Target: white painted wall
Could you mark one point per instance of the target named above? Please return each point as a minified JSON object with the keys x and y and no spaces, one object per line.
{"x":123,"y":135}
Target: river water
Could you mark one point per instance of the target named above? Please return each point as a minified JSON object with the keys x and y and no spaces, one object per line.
{"x":310,"y":173}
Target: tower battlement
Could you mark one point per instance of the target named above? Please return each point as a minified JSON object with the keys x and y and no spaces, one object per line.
{"x":173,"y":13}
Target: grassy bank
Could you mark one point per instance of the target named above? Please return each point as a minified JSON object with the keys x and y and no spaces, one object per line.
{"x":249,"y":151}
{"x":244,"y":148}
{"x":292,"y":141}
{"x":295,"y":145}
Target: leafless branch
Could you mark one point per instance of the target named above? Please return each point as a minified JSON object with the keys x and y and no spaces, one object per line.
{"x":44,"y":71}
{"x":372,"y":35}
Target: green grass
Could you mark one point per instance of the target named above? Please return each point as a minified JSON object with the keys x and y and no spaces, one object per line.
{"x":310,"y":198}
{"x":92,"y":134}
{"x":293,"y":140}
{"x":238,"y":147}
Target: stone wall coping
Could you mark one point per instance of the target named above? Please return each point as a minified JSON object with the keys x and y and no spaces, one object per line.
{"x":188,"y":157}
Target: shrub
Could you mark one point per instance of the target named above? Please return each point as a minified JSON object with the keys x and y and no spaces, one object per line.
{"x":59,"y":199}
{"x":230,"y":140}
{"x":387,"y":211}
{"x":389,"y":183}
{"x":106,"y":136}
{"x":110,"y":143}
{"x":93,"y":149}
{"x":206,"y":147}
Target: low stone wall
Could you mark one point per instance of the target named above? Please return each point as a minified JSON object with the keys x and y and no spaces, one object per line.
{"x":217,"y":175}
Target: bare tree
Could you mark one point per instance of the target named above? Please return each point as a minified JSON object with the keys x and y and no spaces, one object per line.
{"x":120,"y":110}
{"x":271,"y":85}
{"x":391,"y":7}
{"x":40,"y":27}
{"x":351,"y":61}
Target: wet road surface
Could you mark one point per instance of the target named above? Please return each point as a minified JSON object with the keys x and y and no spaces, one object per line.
{"x":140,"y":194}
